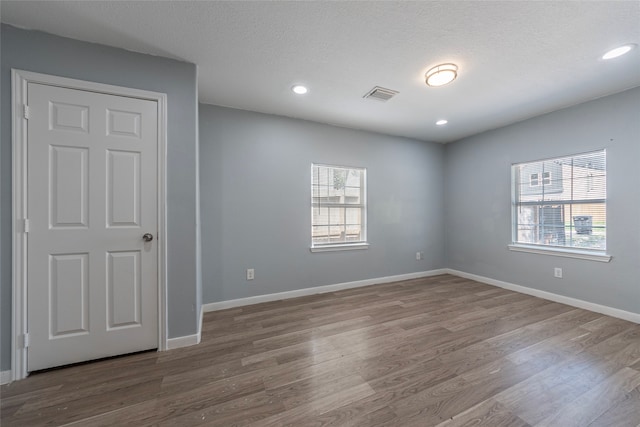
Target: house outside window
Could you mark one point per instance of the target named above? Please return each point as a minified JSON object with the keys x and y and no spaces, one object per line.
{"x":338,"y":207}
{"x":534,"y":179}
{"x":561,"y":202}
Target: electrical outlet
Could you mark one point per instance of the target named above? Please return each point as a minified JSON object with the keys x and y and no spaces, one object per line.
{"x":250,"y":273}
{"x":418,"y":255}
{"x":557,"y":272}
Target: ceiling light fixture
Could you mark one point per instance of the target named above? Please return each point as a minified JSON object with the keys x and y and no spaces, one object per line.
{"x":299,"y":89}
{"x":441,"y":74}
{"x":619,"y":51}
{"x":442,"y":122}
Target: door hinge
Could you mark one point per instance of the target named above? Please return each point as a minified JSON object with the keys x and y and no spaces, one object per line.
{"x":26,"y":340}
{"x":27,"y":225}
{"x":26,"y":111}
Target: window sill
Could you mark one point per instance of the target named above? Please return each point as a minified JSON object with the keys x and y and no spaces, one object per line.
{"x":346,"y":247}
{"x":562,"y":252}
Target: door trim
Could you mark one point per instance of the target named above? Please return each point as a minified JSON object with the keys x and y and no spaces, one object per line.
{"x":20,"y":80}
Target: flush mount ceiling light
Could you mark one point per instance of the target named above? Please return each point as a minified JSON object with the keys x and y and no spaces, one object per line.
{"x":299,"y":89}
{"x":441,"y":74}
{"x":619,"y":51}
{"x":442,"y":122}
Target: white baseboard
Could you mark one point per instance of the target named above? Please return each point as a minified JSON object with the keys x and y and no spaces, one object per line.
{"x":214,"y":306}
{"x":186,"y":341}
{"x":5,"y":377}
{"x":598,"y":308}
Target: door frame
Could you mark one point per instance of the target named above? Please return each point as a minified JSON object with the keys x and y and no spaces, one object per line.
{"x":20,"y":80}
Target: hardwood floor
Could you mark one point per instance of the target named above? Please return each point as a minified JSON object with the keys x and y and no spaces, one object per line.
{"x":439,"y":351}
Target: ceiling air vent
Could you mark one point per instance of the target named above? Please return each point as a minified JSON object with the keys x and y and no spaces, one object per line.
{"x":380,"y":94}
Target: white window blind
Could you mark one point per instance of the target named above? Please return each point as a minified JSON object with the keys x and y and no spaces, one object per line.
{"x":561,"y":202}
{"x":338,"y":206}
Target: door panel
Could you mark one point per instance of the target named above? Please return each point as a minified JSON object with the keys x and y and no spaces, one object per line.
{"x":68,"y":117}
{"x":124,"y":123}
{"x":69,"y":294}
{"x":69,"y":186}
{"x":123,"y":189}
{"x":92,"y":285}
{"x":124,"y":292}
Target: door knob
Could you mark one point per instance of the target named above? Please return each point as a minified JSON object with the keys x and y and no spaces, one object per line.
{"x":147,"y":237}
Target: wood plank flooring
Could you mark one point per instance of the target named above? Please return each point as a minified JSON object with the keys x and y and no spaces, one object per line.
{"x":439,"y":351}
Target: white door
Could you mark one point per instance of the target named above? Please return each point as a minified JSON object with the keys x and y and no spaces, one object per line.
{"x":92,"y":280}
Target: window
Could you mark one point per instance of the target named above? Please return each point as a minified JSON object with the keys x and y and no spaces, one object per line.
{"x":561,"y":202}
{"x":533,"y":181}
{"x":338,"y":207}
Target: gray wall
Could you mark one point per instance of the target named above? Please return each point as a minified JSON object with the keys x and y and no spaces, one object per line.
{"x":478,"y":195}
{"x":255,"y":200}
{"x":45,"y":53}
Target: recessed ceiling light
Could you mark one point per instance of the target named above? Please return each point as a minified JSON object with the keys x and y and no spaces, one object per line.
{"x":442,"y":122}
{"x":619,"y":51}
{"x":441,"y":74}
{"x":299,"y":89}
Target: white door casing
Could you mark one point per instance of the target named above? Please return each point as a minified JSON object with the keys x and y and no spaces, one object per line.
{"x":93,"y":168}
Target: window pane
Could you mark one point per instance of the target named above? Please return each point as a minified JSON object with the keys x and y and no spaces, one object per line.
{"x":320,"y":234}
{"x":336,"y":216}
{"x":319,"y":193}
{"x":588,"y":225}
{"x":352,"y":195}
{"x":353,"y":233}
{"x":354,"y":216}
{"x":337,"y":233}
{"x":320,"y":216}
{"x":336,"y":193}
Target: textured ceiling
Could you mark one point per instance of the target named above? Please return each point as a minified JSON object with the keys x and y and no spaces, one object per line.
{"x":517,"y":59}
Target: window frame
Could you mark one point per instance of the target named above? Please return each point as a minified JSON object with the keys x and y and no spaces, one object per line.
{"x":363,"y":243}
{"x":549,"y":249}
